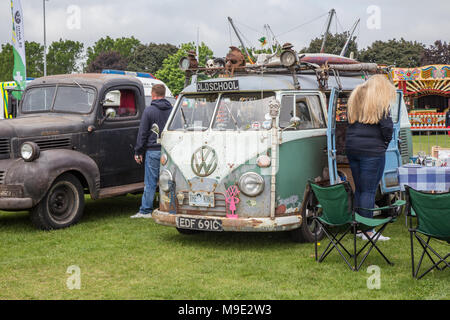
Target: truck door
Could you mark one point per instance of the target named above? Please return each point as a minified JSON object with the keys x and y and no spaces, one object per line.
{"x":331,"y":136}
{"x":116,"y":138}
{"x":389,"y":181}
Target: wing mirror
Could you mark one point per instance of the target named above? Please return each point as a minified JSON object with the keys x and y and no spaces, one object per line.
{"x":155,"y":130}
{"x":109,"y":114}
{"x":294,"y":123}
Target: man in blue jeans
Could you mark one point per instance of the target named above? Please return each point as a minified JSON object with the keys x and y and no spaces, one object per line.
{"x":147,"y":144}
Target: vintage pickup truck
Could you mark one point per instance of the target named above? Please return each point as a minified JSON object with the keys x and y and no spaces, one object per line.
{"x":73,"y":135}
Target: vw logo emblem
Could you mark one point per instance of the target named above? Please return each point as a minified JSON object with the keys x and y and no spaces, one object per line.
{"x":204,"y":161}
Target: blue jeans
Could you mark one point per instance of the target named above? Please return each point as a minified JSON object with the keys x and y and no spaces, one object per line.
{"x":152,"y":160}
{"x":367,"y":173}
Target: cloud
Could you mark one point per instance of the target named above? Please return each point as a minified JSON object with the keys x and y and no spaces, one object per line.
{"x":176,"y":21}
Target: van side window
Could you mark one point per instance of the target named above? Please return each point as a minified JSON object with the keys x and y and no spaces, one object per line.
{"x":307,"y":108}
{"x":316,"y":111}
{"x":286,"y":111}
{"x":302,"y":112}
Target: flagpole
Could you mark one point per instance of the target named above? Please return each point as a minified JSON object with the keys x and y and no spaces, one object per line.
{"x":45,"y":42}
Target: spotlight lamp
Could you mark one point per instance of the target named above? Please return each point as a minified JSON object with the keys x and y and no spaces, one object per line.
{"x":289,"y":57}
{"x":189,"y":63}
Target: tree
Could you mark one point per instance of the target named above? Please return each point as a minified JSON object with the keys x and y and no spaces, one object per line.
{"x":6,"y":62}
{"x":107,"y":60}
{"x":63,"y":57}
{"x":150,"y":57}
{"x":124,"y":46}
{"x":334,"y":44}
{"x":34,"y":53}
{"x":170,"y":72}
{"x":439,"y":53}
{"x":400,"y":53}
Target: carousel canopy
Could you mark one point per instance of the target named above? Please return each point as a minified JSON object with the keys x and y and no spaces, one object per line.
{"x":433,"y":79}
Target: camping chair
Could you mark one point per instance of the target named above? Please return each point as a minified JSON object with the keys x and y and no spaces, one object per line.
{"x":432,"y":211}
{"x":336,"y":202}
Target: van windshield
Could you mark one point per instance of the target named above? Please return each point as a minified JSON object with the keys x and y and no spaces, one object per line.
{"x":194,"y":112}
{"x":243,"y":111}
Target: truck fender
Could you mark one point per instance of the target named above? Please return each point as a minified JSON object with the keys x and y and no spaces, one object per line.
{"x":38,"y":176}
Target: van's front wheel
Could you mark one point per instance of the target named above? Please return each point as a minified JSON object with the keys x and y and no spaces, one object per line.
{"x":62,"y":206}
{"x":309,"y":228}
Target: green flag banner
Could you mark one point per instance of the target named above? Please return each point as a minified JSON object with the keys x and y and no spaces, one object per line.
{"x":18,"y":42}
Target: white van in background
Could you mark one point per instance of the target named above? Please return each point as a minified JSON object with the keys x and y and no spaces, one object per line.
{"x":148,"y":80}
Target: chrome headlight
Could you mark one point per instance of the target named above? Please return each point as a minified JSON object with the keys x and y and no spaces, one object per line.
{"x":289,"y":58}
{"x":251,"y":184}
{"x":184,"y":63}
{"x":164,"y":178}
{"x":29,"y":151}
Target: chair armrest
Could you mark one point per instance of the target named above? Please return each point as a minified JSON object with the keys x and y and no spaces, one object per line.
{"x":396,"y":204}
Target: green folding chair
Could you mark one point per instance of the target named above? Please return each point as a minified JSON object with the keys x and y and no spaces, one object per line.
{"x":431,"y":211}
{"x":338,"y":213}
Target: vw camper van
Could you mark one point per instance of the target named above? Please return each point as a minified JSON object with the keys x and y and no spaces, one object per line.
{"x":239,"y":148}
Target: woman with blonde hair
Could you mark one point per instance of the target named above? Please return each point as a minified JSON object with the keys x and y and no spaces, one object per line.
{"x":368,"y":136}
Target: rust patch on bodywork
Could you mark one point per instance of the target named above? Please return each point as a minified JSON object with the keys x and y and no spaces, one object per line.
{"x":280,"y":210}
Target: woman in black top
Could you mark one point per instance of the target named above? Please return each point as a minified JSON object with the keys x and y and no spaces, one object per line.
{"x":368,"y":137}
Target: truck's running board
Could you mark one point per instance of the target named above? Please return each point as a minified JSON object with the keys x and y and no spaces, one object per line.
{"x":121,"y":190}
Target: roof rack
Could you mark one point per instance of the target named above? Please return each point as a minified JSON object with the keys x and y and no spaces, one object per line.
{"x":288,"y":63}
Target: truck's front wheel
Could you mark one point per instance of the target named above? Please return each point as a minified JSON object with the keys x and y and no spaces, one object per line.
{"x":62,"y":206}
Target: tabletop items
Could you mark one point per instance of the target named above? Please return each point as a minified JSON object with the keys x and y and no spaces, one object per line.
{"x":440,"y":159}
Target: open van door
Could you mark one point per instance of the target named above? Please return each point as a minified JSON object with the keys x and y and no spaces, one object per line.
{"x":389,"y":181}
{"x":331,"y":136}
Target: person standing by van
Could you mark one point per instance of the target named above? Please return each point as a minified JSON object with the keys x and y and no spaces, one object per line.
{"x":158,"y":112}
{"x":368,"y":136}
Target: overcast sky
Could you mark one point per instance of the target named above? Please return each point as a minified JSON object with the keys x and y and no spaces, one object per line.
{"x":177,"y":21}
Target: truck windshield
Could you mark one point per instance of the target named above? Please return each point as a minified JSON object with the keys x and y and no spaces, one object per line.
{"x":194,"y":112}
{"x":74,"y":99}
{"x":68,"y":99}
{"x":243,"y":111}
{"x":38,"y":99}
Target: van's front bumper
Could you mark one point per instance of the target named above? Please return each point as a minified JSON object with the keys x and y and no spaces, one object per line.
{"x":285,"y":223}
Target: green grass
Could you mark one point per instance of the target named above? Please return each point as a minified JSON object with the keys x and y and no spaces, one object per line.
{"x":424,"y":142}
{"x":123,"y":258}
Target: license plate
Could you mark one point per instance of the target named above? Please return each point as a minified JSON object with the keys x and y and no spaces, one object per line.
{"x":199,"y":224}
{"x":11,"y":192}
{"x":201,"y":199}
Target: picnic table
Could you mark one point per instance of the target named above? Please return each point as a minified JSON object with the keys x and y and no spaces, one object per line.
{"x":424,"y":178}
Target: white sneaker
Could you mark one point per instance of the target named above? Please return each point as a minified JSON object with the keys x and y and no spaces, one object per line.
{"x":141,"y":215}
{"x":380,"y":237}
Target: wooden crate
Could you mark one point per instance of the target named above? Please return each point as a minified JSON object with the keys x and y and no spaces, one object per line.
{"x":436,"y":150}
